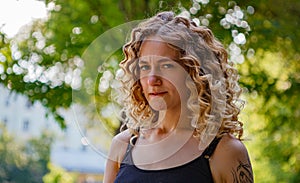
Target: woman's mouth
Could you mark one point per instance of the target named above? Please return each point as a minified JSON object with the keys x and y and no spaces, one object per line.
{"x":157,"y":94}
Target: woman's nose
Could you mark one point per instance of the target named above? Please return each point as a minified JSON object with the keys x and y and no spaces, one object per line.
{"x":154,"y":80}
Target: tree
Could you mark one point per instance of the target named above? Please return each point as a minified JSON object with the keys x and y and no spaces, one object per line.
{"x":58,"y":175}
{"x":272,"y":80}
{"x":23,"y":163}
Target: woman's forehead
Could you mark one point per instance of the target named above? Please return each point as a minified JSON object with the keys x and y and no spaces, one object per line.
{"x":158,"y":47}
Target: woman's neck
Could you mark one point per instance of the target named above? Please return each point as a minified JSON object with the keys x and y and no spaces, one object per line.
{"x":170,"y":120}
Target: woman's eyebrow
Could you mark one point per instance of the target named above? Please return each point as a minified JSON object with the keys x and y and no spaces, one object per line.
{"x":142,"y":61}
{"x":160,"y":60}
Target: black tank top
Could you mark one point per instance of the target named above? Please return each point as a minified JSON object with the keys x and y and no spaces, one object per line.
{"x":195,"y":171}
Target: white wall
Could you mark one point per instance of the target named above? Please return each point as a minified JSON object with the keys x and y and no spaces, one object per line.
{"x":68,"y":151}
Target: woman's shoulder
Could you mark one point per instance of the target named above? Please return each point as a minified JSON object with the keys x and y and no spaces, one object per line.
{"x":230,"y":144}
{"x":123,"y":136}
{"x":230,"y":159}
{"x":119,"y":145}
{"x":231,"y":149}
{"x":115,"y":156}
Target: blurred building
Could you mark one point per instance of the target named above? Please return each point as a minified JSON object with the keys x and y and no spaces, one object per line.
{"x":70,"y":149}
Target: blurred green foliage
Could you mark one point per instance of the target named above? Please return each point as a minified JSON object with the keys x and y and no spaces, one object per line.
{"x":269,"y":74}
{"x":58,"y":175}
{"x":23,"y":162}
{"x":272,"y":82}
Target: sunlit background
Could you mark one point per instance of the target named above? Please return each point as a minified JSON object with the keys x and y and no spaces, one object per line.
{"x":16,"y":13}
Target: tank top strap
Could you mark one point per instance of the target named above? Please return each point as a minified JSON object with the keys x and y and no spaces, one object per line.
{"x":206,"y":154}
{"x":128,"y":157}
{"x":211,"y":147}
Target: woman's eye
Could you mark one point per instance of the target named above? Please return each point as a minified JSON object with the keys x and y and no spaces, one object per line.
{"x":167,"y":66}
{"x":144,"y":67}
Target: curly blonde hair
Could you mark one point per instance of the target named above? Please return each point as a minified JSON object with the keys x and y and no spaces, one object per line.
{"x":215,"y":105}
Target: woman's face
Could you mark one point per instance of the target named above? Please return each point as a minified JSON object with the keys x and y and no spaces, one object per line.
{"x":162,"y":79}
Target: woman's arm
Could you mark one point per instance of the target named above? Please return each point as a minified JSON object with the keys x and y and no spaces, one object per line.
{"x":230,"y":162}
{"x":111,"y":170}
{"x":115,"y":156}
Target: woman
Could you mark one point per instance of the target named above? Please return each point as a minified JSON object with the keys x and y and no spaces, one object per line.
{"x":180,"y":98}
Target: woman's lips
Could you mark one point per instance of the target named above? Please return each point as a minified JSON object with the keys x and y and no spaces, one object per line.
{"x":157,"y":94}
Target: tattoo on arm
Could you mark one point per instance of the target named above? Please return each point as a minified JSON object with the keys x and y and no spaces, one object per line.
{"x":243,"y":173}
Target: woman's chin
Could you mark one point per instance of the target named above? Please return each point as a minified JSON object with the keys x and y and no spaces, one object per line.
{"x":158,"y":104}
